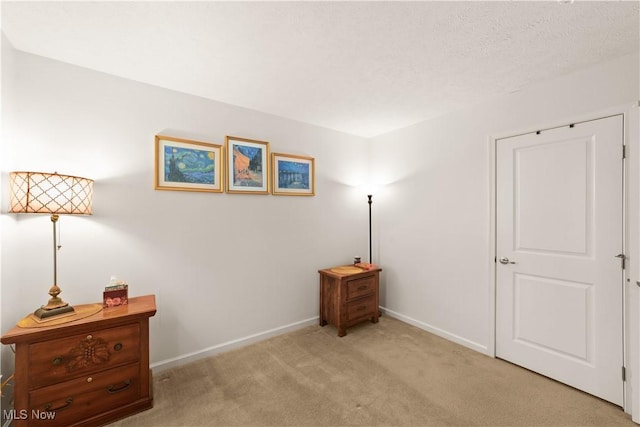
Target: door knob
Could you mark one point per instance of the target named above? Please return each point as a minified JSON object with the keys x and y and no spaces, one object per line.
{"x":505,"y":260}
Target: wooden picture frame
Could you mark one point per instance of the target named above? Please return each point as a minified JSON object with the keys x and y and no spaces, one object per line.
{"x":186,"y":165}
{"x":292,"y":175}
{"x":247,"y":165}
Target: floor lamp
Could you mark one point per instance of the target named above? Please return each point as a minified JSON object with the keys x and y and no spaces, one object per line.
{"x":55,"y":194}
{"x":369,"y":196}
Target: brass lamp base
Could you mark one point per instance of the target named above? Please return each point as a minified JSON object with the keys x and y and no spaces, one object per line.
{"x":55,"y":306}
{"x":43,"y":313}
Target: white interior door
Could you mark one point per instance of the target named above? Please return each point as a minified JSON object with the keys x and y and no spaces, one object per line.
{"x":559,"y":228}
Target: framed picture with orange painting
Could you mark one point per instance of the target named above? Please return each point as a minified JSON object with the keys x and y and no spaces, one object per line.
{"x":247,"y":165}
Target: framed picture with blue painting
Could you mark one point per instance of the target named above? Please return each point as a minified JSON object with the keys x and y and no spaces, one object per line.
{"x":293,"y":175}
{"x":186,"y":165}
{"x":247,"y":165}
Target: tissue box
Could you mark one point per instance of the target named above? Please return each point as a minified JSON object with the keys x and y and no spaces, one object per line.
{"x":115,"y":297}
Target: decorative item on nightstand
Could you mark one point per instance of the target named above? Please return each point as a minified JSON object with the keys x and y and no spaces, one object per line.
{"x":117,"y":293}
{"x":55,"y":194}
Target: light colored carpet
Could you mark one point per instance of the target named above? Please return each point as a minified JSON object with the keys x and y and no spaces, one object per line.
{"x":385,"y":374}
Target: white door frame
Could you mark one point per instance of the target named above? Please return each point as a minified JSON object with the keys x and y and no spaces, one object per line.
{"x":631,"y":240}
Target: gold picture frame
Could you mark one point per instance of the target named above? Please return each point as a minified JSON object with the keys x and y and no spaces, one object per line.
{"x":247,"y":166}
{"x":292,"y":175}
{"x":186,"y":165}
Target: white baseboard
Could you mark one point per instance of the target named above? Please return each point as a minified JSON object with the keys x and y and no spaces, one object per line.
{"x":230,"y":345}
{"x":437,"y":331}
{"x":241,"y":342}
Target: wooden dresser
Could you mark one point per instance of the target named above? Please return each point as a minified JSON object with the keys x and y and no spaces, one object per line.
{"x":348,"y":295}
{"x":87,"y":372}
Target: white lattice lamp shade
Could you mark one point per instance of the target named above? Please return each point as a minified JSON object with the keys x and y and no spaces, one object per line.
{"x":52,"y":193}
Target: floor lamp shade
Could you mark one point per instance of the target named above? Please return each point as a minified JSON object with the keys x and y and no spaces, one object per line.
{"x":52,"y":193}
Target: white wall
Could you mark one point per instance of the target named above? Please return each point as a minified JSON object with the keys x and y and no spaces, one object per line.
{"x":222,"y":266}
{"x":434,"y":199}
{"x":6,"y":100}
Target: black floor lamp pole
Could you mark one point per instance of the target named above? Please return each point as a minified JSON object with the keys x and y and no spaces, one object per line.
{"x":369,"y":196}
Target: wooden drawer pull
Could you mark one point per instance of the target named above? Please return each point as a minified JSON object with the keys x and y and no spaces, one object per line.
{"x":48,"y":407}
{"x":126,"y":385}
{"x":57,"y":360}
{"x":117,"y":347}
{"x":362,"y":288}
{"x":362,"y":307}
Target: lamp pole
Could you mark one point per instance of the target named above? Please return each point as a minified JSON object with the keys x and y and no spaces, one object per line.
{"x":370,"y":202}
{"x":54,"y":220}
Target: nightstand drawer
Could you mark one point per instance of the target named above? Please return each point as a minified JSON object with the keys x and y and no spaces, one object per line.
{"x":360,"y":287}
{"x":59,"y":360}
{"x":363,"y":307}
{"x":91,"y":394}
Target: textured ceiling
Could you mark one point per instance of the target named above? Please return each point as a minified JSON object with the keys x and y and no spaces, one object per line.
{"x":360,"y":67}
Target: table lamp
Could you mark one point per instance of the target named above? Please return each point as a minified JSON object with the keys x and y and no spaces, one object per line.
{"x":51,"y":193}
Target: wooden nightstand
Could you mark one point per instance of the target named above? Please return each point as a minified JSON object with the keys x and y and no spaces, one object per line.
{"x":348,"y":295}
{"x":87,"y":372}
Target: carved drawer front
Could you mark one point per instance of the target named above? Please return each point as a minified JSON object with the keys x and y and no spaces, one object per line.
{"x":65,"y":358}
{"x":360,"y":308}
{"x":360,"y":287}
{"x":63,"y":404}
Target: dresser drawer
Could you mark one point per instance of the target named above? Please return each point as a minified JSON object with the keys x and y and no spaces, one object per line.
{"x":363,"y":307}
{"x":360,"y":287}
{"x":65,"y":358}
{"x":65,"y":403}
